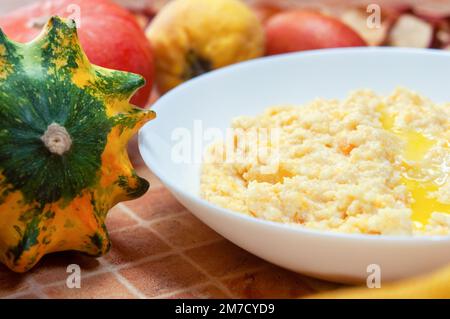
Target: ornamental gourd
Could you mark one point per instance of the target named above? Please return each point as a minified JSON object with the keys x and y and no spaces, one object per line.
{"x":110,"y":34}
{"x":64,"y":128}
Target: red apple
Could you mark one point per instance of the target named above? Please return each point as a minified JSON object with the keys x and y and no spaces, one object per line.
{"x":300,"y":30}
{"x":265,"y":11}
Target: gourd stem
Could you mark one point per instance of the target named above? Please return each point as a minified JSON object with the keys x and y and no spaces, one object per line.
{"x":57,"y":139}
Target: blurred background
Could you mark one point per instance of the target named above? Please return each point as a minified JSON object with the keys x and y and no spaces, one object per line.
{"x":440,"y":5}
{"x":335,"y":23}
{"x":433,"y":16}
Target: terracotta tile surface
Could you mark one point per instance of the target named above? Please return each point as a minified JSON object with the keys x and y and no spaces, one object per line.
{"x":158,"y":203}
{"x":53,"y":268}
{"x":101,"y":287}
{"x":11,"y":283}
{"x":271,"y":282}
{"x":223,"y":259}
{"x":118,"y":219}
{"x":133,"y":244}
{"x":209,"y":291}
{"x":163,"y":276}
{"x":184,"y":231}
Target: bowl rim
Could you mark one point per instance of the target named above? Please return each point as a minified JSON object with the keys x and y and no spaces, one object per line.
{"x":146,"y":130}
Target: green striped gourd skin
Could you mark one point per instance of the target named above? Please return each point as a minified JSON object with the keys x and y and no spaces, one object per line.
{"x":64,"y":128}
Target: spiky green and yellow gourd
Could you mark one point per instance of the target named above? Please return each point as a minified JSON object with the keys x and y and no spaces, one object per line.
{"x":64,"y":129}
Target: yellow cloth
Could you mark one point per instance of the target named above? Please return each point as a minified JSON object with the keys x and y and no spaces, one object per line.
{"x":434,"y":285}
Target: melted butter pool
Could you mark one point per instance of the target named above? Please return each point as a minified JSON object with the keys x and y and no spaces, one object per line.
{"x":418,"y":183}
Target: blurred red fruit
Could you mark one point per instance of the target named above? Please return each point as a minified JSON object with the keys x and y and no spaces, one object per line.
{"x":301,"y":30}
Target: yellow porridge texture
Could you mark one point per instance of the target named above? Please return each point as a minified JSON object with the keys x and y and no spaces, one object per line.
{"x":367,"y":164}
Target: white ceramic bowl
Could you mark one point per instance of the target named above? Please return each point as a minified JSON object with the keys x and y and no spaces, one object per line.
{"x":250,"y":87}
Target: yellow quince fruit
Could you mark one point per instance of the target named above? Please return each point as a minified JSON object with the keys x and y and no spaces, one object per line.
{"x":191,"y":37}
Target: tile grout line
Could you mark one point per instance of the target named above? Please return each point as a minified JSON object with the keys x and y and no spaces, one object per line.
{"x":101,"y":271}
{"x":174,"y":250}
{"x":36,"y":288}
{"x":33,"y":289}
{"x":227,"y":277}
{"x":110,"y":267}
{"x":114,"y":269}
{"x":129,"y":212}
{"x":183,"y":255}
{"x":182,"y":290}
{"x":128,"y":285}
{"x":189,"y":260}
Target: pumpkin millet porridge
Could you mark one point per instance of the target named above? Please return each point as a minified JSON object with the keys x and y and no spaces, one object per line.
{"x":367,"y":164}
